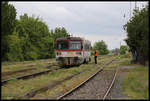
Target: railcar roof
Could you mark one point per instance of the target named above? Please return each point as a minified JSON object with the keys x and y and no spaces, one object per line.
{"x":71,"y":38}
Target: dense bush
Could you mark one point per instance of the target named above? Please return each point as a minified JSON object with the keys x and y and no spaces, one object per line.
{"x":123,"y":49}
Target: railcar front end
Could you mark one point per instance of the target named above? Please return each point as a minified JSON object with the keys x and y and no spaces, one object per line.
{"x":70,"y":51}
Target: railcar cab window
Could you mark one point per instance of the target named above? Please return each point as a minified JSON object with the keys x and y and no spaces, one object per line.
{"x":62,"y":45}
{"x":75,"y":45}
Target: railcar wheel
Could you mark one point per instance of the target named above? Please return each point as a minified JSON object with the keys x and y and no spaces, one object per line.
{"x":84,"y":61}
{"x":89,"y":59}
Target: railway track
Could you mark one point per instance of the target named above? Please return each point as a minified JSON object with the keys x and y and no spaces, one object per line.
{"x":109,"y":88}
{"x":87,"y":80}
{"x":30,"y":67}
{"x":6,"y":75}
{"x":3,"y":82}
{"x":32,"y":93}
{"x":26,"y":63}
{"x":17,"y":71}
{"x":51,"y":85}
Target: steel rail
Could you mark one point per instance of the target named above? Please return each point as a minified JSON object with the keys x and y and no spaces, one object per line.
{"x":49,"y":86}
{"x":29,"y":75}
{"x":17,"y":71}
{"x":26,"y":69}
{"x":108,"y":90}
{"x":82,"y":83}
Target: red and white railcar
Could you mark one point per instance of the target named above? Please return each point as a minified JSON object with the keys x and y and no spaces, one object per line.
{"x":72,"y":51}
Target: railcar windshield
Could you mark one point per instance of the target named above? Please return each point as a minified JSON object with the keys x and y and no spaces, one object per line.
{"x":75,"y":45}
{"x":62,"y":45}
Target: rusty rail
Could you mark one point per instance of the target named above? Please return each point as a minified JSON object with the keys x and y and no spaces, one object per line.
{"x":28,"y":76}
{"x":109,"y":88}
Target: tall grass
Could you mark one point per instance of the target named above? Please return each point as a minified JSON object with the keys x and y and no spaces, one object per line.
{"x":136,"y":83}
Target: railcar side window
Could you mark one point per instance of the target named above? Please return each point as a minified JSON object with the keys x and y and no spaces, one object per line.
{"x":75,"y":45}
{"x":62,"y":45}
{"x":87,"y":46}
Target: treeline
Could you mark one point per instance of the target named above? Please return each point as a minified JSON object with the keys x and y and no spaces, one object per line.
{"x":101,"y":47}
{"x":137,"y":29}
{"x":27,"y":38}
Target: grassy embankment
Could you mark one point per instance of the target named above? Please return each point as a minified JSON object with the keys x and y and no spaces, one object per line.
{"x":135,"y":83}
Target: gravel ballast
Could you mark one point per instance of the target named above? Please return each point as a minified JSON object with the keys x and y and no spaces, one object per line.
{"x":95,"y":88}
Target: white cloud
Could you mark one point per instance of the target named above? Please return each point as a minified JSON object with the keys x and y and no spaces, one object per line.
{"x":111,"y":41}
{"x":46,"y":10}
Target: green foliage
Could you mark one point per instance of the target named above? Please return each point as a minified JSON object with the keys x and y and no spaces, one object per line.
{"x":101,"y":47}
{"x":37,"y":42}
{"x":8,"y":23}
{"x":59,"y":32}
{"x":8,"y":18}
{"x":138,"y":35}
{"x":15,"y":51}
{"x":123,"y":49}
{"x":127,"y":55}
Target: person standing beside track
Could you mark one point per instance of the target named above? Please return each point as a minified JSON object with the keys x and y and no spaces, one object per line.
{"x":95,"y":56}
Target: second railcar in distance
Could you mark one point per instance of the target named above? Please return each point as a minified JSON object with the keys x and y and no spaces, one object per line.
{"x":72,"y":51}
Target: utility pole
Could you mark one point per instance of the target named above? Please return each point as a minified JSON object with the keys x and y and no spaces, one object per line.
{"x":120,"y":47}
{"x":130,"y":9}
{"x":135,"y":4}
{"x":120,"y":43}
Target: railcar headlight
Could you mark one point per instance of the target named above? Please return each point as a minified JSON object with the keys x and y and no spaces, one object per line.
{"x":78,"y":53}
{"x":58,"y":53}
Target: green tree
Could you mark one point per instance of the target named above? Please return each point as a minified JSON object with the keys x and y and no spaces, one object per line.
{"x":36,"y":41}
{"x":137,"y":30}
{"x":8,"y":23}
{"x":101,"y":47}
{"x":59,"y":32}
{"x":15,"y":51}
{"x":123,"y":49}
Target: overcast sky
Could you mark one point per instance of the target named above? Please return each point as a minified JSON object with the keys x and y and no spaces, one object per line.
{"x":94,"y":21}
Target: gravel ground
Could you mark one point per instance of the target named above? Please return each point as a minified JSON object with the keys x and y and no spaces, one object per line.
{"x":95,"y":88}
